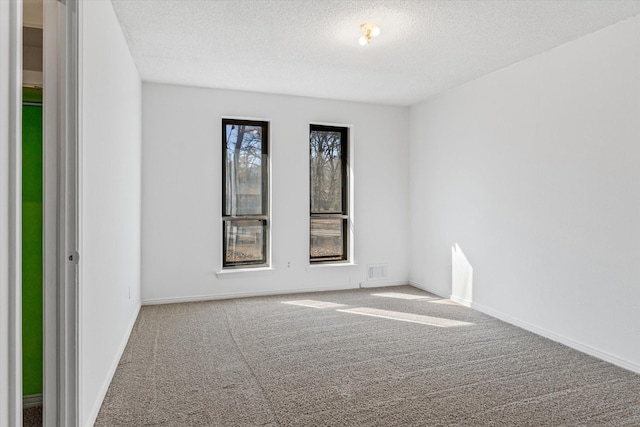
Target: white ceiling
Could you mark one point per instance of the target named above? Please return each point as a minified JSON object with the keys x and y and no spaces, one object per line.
{"x":310,"y":48}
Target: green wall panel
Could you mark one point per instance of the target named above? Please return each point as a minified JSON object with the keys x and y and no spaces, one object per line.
{"x":31,"y":246}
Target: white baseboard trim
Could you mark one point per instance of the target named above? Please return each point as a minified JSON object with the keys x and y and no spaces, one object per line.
{"x":382,"y":284}
{"x":214,"y":297}
{"x":634,"y":367}
{"x":464,"y":302}
{"x":426,"y":289}
{"x":32,"y":400}
{"x":91,"y":419}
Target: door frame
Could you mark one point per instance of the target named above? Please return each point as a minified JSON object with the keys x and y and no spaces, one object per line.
{"x":60,"y":222}
{"x":60,"y":199}
{"x":61,"y":397}
{"x":11,"y":213}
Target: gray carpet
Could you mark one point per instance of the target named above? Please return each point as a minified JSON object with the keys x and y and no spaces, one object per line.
{"x":32,"y":416}
{"x":374,"y":360}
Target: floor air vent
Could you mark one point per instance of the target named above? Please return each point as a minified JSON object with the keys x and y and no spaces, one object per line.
{"x":376,"y":271}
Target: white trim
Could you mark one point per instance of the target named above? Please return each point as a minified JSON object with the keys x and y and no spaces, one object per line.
{"x":591,"y":351}
{"x":321,"y":265}
{"x":51,"y":258}
{"x":75,"y":225}
{"x":252,"y":119}
{"x":91,"y":417}
{"x":461,"y":301}
{"x":426,"y":289}
{"x":32,"y":400}
{"x":214,"y":297}
{"x":335,"y":125}
{"x":10,"y":213}
{"x":383,"y":284}
{"x":60,"y":132}
{"x":351,"y":135}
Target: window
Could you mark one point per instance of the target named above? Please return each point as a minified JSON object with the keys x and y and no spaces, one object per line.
{"x":245,"y":193}
{"x":329,"y":190}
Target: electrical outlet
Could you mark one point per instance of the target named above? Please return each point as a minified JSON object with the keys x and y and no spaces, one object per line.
{"x":288,"y":264}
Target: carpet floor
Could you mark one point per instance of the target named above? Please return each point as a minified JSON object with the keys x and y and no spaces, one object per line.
{"x":32,"y":417}
{"x":368,"y":357}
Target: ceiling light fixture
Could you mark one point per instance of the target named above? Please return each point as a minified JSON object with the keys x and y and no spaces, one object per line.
{"x":370,"y":30}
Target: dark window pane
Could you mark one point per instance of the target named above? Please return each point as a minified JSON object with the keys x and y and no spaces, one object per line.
{"x":326,"y":171}
{"x":244,"y":174}
{"x":327,"y":239}
{"x":244,"y":242}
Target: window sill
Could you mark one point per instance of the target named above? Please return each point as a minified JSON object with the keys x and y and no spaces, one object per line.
{"x":243,"y":272}
{"x":331,"y":265}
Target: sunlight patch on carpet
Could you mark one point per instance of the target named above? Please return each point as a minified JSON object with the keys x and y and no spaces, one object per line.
{"x":407,"y":317}
{"x":400,"y":295}
{"x":314,"y":304}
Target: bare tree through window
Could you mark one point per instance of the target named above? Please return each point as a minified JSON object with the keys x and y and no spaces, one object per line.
{"x":326,"y":171}
{"x":328,"y":190}
{"x":245,"y":188}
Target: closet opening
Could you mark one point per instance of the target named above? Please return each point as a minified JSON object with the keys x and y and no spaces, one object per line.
{"x":32,"y":215}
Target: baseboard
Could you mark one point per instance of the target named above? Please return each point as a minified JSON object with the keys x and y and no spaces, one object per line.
{"x":383,"y":284}
{"x":463,"y":302}
{"x":634,"y":367}
{"x":32,"y":400}
{"x":91,"y":419}
{"x":426,"y":289}
{"x":214,"y":297}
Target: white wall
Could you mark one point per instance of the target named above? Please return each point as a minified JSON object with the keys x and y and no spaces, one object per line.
{"x":533,"y":171}
{"x":181,"y":205}
{"x":110,"y":201}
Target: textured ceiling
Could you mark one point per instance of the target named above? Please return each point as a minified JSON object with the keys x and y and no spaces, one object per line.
{"x":310,"y":48}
